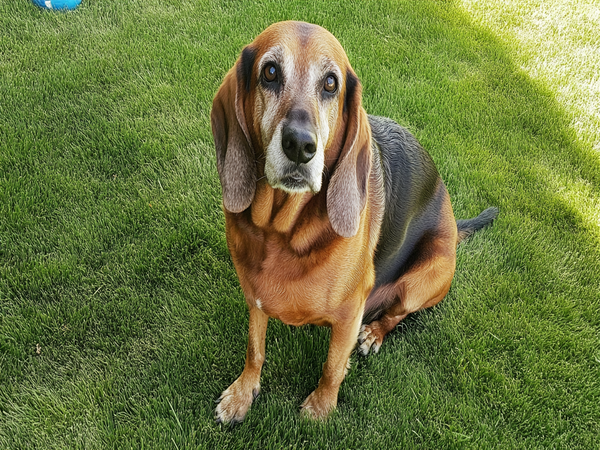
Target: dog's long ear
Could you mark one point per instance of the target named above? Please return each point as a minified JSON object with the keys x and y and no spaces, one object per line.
{"x":235,"y":156}
{"x":347,"y":192}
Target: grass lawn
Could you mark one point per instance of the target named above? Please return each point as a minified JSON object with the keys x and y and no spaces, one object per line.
{"x":121,"y":317}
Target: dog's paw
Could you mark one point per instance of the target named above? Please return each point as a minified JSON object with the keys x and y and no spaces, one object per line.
{"x":235,"y":402}
{"x":318,"y":405}
{"x":370,"y":338}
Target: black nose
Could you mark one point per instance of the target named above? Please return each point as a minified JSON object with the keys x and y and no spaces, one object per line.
{"x":299,"y":143}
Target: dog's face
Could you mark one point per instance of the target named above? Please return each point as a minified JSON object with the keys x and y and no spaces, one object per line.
{"x":291,"y":109}
{"x":300,"y":80}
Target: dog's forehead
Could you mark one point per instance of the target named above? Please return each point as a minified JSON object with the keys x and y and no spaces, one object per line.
{"x":307,"y":42}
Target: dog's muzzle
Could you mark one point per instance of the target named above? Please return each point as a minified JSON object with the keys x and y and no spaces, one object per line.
{"x":295,"y":157}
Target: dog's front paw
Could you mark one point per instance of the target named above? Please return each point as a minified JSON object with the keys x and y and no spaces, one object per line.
{"x":370,"y":337}
{"x":235,"y":401}
{"x":319,"y":404}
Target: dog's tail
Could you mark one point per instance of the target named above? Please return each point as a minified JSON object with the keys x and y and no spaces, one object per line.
{"x":467,"y":227}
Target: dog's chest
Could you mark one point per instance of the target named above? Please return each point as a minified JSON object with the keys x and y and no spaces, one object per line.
{"x":290,"y":288}
{"x":294,"y":288}
{"x":299,"y":273}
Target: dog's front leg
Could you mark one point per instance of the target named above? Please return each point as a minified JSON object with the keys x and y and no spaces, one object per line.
{"x":323,"y":400}
{"x":235,"y":401}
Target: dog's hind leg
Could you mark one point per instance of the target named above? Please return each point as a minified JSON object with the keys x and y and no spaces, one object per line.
{"x":424,"y":285}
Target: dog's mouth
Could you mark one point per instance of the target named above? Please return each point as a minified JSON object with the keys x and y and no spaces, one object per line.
{"x":295,"y":182}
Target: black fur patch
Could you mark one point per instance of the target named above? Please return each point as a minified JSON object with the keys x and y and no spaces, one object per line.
{"x":246,"y":65}
{"x":351,"y":85}
{"x":414,"y":194}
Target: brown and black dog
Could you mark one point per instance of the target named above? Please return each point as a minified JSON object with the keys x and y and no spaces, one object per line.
{"x":333,"y":217}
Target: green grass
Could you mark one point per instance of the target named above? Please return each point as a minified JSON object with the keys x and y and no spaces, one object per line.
{"x":113,"y":261}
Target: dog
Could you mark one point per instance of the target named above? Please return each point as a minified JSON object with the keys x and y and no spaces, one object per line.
{"x":333,"y":217}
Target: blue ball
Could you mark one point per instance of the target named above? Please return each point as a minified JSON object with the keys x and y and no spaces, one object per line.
{"x":57,"y":4}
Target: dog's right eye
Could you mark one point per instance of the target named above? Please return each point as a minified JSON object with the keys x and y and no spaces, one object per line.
{"x":270,"y":72}
{"x":330,"y":84}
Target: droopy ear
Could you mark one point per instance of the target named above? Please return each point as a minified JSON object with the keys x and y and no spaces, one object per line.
{"x":347,"y":192}
{"x":235,"y":156}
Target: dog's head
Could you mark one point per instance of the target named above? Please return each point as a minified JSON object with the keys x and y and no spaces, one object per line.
{"x":291,"y":109}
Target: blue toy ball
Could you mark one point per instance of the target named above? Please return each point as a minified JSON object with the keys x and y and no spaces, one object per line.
{"x":57,"y":4}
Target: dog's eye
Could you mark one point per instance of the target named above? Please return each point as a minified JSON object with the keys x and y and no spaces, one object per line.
{"x":270,"y":72}
{"x":330,"y":84}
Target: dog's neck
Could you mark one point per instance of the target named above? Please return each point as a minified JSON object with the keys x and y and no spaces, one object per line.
{"x":276,"y":209}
